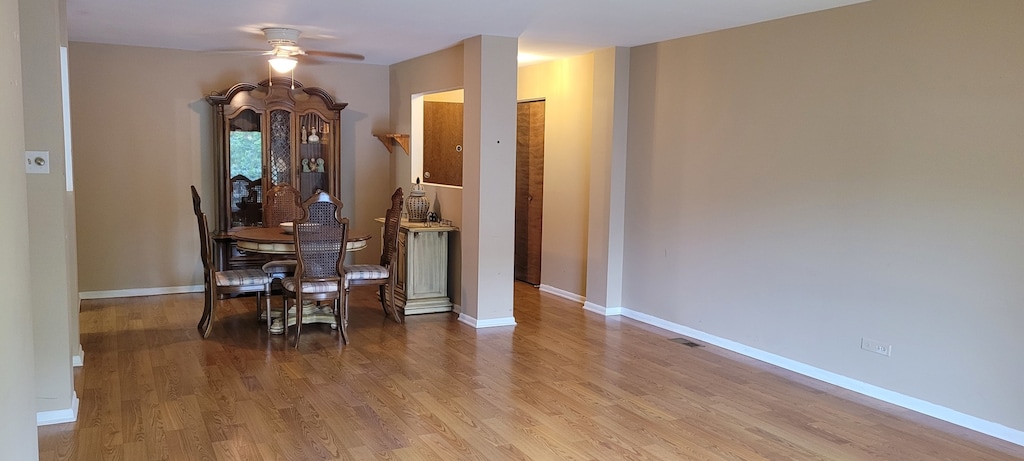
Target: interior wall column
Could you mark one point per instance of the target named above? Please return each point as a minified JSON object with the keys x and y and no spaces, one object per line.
{"x":488,"y":176}
{"x":52,"y":262}
{"x":18,"y":424}
{"x":605,"y":237}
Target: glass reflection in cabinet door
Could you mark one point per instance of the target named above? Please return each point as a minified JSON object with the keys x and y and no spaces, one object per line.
{"x":245,"y":163}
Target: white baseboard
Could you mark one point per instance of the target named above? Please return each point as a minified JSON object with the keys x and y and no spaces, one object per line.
{"x":78,"y":359}
{"x":67,"y":415}
{"x":140,"y":292}
{"x":599,"y":309}
{"x":562,"y":293}
{"x":911,"y":403}
{"x":488,"y":323}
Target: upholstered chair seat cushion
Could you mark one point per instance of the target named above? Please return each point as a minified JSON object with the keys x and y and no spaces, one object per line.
{"x":366,"y":272}
{"x":240,"y":277}
{"x":280,"y":268}
{"x":290,"y":284}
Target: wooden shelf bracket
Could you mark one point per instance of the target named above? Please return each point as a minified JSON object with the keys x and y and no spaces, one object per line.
{"x":390,"y":138}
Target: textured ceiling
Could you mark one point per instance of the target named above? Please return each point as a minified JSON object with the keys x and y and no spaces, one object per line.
{"x":392,"y":31}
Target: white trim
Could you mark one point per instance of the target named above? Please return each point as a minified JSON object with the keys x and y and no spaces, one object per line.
{"x":562,"y":293}
{"x":601,"y":310}
{"x":921,"y":406}
{"x":67,"y":415}
{"x":488,"y":323}
{"x":141,"y":292}
{"x":78,"y":359}
{"x":65,"y":94}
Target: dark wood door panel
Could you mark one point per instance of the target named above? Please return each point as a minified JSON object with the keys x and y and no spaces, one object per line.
{"x":529,"y":190}
{"x":442,"y":143}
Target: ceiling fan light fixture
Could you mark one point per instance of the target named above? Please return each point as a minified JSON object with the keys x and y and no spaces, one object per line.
{"x":283,"y":64}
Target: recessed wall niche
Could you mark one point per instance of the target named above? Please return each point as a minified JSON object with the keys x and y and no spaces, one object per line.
{"x":437,"y":138}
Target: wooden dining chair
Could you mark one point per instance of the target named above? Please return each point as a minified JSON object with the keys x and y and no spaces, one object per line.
{"x":321,"y":236}
{"x":217,"y":283}
{"x":382,"y":275}
{"x":280,"y":204}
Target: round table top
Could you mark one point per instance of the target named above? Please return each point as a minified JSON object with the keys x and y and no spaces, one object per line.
{"x":275,"y":240}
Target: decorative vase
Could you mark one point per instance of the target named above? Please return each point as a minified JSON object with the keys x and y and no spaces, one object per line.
{"x":417,"y":205}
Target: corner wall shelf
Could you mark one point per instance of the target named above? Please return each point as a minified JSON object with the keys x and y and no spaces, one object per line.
{"x":390,"y":138}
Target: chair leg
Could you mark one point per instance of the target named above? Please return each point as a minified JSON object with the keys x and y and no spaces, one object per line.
{"x":394,"y":304}
{"x":383,"y":299}
{"x":268,"y":303}
{"x":341,"y":316}
{"x":298,"y":318}
{"x":206,"y":321}
{"x":284,"y":318}
{"x":343,"y":321}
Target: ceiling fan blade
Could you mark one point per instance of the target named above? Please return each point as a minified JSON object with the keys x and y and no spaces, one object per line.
{"x":335,"y":55}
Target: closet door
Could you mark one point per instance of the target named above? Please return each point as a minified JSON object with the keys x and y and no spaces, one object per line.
{"x":529,"y":191}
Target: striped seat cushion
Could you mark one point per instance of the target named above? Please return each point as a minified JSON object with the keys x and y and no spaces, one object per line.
{"x":289,"y":284}
{"x":241,"y":277}
{"x":366,"y":272}
{"x":280,"y":268}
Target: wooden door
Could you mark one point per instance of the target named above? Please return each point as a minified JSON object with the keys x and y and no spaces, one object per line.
{"x":529,"y":190}
{"x":442,"y":143}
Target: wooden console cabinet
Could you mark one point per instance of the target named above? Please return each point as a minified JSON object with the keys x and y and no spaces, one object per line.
{"x":422,"y":279}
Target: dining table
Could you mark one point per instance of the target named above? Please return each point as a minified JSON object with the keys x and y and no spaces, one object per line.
{"x":277,"y":241}
{"x":281,"y":243}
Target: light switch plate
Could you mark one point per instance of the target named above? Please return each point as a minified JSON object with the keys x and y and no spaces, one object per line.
{"x":37,"y":162}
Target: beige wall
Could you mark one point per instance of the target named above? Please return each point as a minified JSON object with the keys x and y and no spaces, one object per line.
{"x":567,"y":87}
{"x":797,"y":185}
{"x":142,"y":135}
{"x":17,"y":381}
{"x":434,"y":72}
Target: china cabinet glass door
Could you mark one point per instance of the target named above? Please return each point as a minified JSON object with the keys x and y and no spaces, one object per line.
{"x":245,"y":165}
{"x":314,"y":154}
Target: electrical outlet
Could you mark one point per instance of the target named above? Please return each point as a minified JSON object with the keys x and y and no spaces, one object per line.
{"x":878,"y":347}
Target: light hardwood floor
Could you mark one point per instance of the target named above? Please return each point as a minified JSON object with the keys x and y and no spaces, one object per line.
{"x":562,"y":384}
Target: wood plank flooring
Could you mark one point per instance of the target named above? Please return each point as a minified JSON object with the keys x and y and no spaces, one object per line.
{"x":562,"y":384}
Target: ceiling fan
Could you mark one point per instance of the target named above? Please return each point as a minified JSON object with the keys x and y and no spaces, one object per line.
{"x":286,"y":49}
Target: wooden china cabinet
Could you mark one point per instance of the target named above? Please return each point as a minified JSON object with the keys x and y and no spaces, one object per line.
{"x":273,"y":132}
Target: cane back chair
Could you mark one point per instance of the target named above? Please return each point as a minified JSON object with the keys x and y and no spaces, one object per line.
{"x":321,"y":236}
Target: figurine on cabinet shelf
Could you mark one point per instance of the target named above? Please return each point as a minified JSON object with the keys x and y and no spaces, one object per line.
{"x":303,"y":138}
{"x":305,"y":165}
{"x":281,"y":166}
{"x":319,"y":165}
{"x":313,"y":138}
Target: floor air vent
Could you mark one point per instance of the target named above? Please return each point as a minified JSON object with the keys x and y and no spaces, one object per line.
{"x":685,"y":342}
